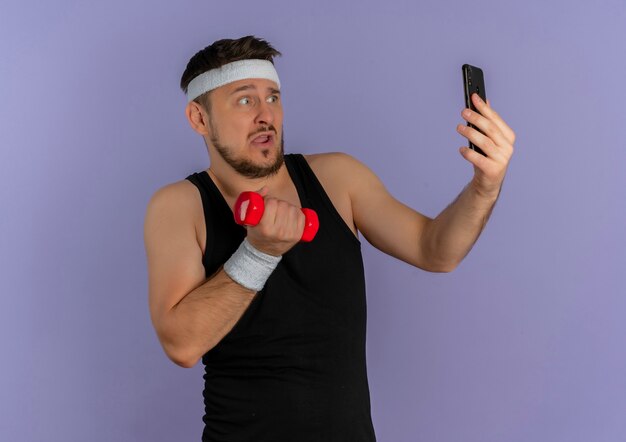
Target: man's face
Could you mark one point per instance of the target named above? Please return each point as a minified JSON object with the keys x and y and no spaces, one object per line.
{"x":240,"y":112}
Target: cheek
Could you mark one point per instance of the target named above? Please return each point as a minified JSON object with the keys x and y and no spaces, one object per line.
{"x":278,"y":121}
{"x":232,"y":131}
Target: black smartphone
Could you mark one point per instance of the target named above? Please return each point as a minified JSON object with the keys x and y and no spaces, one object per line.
{"x":473,"y":82}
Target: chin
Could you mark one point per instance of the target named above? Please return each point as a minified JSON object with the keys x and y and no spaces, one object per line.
{"x":269,"y":151}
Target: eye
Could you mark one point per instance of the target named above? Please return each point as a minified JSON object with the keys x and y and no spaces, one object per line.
{"x":273,"y":98}
{"x":241,"y":100}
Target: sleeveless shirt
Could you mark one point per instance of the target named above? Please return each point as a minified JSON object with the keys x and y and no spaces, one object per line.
{"x":293,"y":368}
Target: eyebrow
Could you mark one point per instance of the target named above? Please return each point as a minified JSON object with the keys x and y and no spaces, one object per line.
{"x":251,"y":86}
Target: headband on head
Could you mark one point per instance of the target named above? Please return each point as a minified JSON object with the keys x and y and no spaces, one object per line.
{"x":234,"y":71}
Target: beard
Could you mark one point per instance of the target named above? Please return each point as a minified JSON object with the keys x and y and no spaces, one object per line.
{"x":246,"y":167}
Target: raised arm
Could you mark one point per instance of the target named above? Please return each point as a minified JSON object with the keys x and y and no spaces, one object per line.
{"x":389,"y":225}
{"x":439,"y":244}
{"x":434,"y":245}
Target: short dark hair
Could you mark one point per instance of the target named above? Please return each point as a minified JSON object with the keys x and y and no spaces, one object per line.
{"x":222,"y":52}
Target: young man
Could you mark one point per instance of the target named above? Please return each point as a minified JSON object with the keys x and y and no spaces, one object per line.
{"x":279,"y":323}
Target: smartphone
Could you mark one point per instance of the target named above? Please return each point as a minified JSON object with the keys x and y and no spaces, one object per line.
{"x":473,"y":82}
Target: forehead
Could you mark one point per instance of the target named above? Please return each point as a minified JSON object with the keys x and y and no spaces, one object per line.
{"x":259,"y":85}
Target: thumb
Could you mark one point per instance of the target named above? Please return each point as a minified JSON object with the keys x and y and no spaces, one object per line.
{"x":263,"y":191}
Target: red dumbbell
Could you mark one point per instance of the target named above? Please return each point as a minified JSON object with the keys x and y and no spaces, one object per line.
{"x":250,"y":214}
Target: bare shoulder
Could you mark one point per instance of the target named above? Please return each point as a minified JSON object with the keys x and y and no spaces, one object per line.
{"x":180,"y":200}
{"x":179,"y":192}
{"x":174,"y":256}
{"x":339,"y":174}
{"x":335,"y":167}
{"x":338,"y":169}
{"x":330,"y":159}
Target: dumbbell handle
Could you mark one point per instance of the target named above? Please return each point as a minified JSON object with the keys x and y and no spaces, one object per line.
{"x":250,"y":206}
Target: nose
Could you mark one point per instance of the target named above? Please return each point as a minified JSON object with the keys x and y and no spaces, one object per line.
{"x":265,"y":114}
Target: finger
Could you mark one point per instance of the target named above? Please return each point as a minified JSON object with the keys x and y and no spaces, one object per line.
{"x":474,"y":157}
{"x":301,"y":221}
{"x":271,"y":209}
{"x":285,"y":216}
{"x":486,"y":126}
{"x":480,"y":140}
{"x":263,"y":191}
{"x":487,"y":167}
{"x":296,"y":221}
{"x":488,"y":112}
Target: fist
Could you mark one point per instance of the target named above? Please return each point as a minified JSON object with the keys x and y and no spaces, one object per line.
{"x":274,"y":226}
{"x":279,"y":229}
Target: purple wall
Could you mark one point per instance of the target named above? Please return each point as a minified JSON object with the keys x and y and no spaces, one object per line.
{"x":523,"y":342}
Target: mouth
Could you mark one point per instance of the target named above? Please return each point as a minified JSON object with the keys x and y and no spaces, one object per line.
{"x":265,"y":139}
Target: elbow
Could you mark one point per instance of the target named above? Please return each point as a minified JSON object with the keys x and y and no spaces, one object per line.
{"x":186,"y":356}
{"x":435,"y":263}
{"x":187,"y":363}
{"x":183,"y":361}
{"x":175,"y":348}
{"x":441,"y":267}
{"x":449,"y":267}
{"x":181,"y":357}
{"x":431,"y":260}
{"x":179,"y":349}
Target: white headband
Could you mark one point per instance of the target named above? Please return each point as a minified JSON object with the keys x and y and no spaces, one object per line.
{"x":237,"y":70}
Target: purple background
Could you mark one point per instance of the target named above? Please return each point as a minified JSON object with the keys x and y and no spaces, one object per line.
{"x":523,"y":342}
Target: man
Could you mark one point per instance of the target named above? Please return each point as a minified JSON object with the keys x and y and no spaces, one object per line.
{"x":279,"y":323}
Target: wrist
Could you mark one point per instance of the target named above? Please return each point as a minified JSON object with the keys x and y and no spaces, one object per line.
{"x":489,"y":195}
{"x":270,"y":248}
{"x":250,"y":267}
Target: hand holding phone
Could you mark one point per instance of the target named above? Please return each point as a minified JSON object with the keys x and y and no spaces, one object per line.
{"x":473,"y":82}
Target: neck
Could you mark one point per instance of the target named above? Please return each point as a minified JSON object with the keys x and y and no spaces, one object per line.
{"x":231,"y":183}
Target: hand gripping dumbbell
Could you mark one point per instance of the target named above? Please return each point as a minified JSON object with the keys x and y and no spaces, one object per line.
{"x":250,"y":214}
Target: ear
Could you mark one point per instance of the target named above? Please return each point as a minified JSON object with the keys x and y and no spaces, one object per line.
{"x":198,"y":120}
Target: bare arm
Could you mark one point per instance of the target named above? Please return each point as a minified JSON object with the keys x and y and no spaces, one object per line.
{"x":190,"y":313}
{"x":439,"y":244}
{"x":435,"y":245}
{"x":203,"y":317}
{"x":452,"y":234}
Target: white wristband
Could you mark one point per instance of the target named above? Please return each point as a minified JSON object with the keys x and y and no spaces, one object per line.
{"x":250,"y":267}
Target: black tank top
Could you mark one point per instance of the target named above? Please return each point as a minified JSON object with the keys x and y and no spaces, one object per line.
{"x":293,"y":367}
